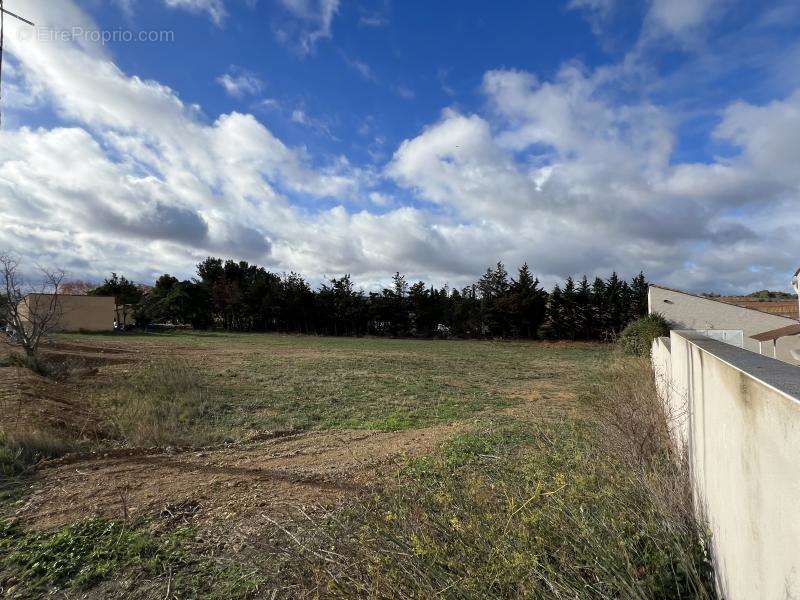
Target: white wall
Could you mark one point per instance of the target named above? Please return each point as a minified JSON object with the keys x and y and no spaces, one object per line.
{"x":691,"y":312}
{"x":739,"y":416}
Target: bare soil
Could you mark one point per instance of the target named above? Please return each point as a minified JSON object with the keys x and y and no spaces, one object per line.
{"x":228,"y":484}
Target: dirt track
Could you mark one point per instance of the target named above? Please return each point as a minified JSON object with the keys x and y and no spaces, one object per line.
{"x":225,"y":484}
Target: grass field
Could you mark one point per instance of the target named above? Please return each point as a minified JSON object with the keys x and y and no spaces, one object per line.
{"x":271,"y":382}
{"x":247,"y":466}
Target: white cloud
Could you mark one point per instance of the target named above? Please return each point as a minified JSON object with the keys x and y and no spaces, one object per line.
{"x":597,"y":6}
{"x":379,"y":199}
{"x":679,"y":16}
{"x":569,"y":177}
{"x":239,"y":83}
{"x":301,"y":117}
{"x":359,"y":66}
{"x":214,"y":8}
{"x":314,"y":21}
{"x":142,"y":171}
{"x":560,"y":172}
{"x":672,"y":21}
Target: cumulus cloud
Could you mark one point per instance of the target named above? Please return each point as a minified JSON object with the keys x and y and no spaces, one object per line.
{"x":142,"y":169}
{"x":570,"y":177}
{"x":561,"y":172}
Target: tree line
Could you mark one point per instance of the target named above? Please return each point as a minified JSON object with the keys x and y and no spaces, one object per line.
{"x":238,"y":296}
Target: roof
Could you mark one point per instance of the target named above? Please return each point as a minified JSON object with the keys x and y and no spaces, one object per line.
{"x":783,"y":308}
{"x":669,"y":289}
{"x":774,"y":334}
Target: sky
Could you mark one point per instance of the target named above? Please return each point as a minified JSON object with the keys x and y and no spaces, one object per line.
{"x":433,"y":138}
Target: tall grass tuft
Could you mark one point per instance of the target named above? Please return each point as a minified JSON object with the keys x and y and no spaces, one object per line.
{"x":166,"y":403}
{"x":568,"y":510}
{"x":20,"y":449}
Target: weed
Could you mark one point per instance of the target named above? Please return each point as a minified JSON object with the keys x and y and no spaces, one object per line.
{"x":546,"y":510}
{"x":81,"y":555}
{"x":21,"y":449}
{"x":56,"y":368}
{"x":166,"y":403}
{"x":12,"y":359}
{"x":554,"y":521}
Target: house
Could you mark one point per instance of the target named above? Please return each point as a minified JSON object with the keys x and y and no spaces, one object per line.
{"x":73,"y":313}
{"x":725,"y":321}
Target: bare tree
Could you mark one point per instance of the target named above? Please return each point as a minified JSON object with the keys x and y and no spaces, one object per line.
{"x":32,"y":310}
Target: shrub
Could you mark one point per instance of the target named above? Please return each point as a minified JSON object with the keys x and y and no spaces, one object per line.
{"x":13,"y":360}
{"x":166,"y":403}
{"x":637,"y":338}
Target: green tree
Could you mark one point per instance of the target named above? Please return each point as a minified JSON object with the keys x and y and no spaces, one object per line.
{"x":126,"y":294}
{"x":528,"y":304}
{"x":494,"y":288}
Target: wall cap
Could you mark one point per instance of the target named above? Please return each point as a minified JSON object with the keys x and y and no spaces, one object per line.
{"x":778,"y":375}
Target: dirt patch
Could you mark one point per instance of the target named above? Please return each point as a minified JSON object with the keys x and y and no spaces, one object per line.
{"x":272,"y":478}
{"x":30,"y":402}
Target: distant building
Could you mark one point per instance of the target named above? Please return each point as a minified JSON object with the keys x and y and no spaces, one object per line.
{"x":783,"y":308}
{"x":74,"y":313}
{"x":724,"y":321}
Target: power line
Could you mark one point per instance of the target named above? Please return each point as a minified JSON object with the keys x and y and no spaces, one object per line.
{"x":3,"y":13}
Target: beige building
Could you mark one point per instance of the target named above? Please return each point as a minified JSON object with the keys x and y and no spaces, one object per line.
{"x":717,"y":318}
{"x":74,"y":313}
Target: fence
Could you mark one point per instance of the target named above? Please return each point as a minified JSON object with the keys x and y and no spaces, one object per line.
{"x":737,"y":414}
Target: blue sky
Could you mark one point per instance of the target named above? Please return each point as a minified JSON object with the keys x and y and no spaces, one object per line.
{"x":385,"y":72}
{"x":434,"y":138}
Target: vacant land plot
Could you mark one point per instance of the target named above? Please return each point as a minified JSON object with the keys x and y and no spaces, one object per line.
{"x":206,"y":456}
{"x":267,"y":383}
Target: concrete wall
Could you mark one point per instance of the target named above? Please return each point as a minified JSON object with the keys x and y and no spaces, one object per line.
{"x":687,"y":311}
{"x":75,"y":313}
{"x":739,"y":418}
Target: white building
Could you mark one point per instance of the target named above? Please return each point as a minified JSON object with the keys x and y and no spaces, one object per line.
{"x":724,"y":321}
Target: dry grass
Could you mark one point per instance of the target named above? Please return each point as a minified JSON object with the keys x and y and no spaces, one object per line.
{"x":635,"y":428}
{"x":550,"y":510}
{"x":21,"y":448}
{"x":165,"y":403}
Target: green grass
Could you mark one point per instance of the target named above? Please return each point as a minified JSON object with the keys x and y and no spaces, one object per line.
{"x":82,"y":555}
{"x":518,"y":506}
{"x":507,"y":510}
{"x":276,"y":382}
{"x":501,"y":513}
